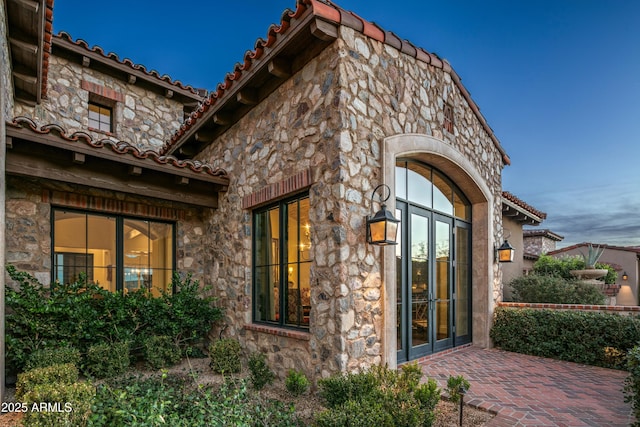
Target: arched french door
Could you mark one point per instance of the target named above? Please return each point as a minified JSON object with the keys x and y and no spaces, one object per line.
{"x":433,"y":262}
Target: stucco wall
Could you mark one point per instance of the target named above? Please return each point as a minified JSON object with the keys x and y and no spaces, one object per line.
{"x":514,"y":269}
{"x":143,"y":118}
{"x":332,"y":117}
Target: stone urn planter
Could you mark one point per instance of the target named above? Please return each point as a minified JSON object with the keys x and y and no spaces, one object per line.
{"x":590,"y":274}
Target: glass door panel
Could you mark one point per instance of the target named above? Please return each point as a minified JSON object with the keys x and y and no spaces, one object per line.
{"x":443,"y":280}
{"x":419,"y":276}
{"x":462,"y":280}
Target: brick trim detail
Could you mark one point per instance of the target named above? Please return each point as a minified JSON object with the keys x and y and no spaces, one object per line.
{"x":102,"y":91}
{"x":303,"y":336}
{"x":277,"y":190}
{"x":101,"y":204}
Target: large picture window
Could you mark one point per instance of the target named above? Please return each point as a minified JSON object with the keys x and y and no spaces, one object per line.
{"x":282,"y":262}
{"x":115,"y":252}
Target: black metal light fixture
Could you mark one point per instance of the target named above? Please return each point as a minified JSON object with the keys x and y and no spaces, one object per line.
{"x":625,"y":276}
{"x":382,"y":227}
{"x":505,"y":252}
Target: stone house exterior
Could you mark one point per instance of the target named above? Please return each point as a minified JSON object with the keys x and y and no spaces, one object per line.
{"x":265,"y":188}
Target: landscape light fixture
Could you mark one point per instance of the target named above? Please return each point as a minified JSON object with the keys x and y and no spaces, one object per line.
{"x":382,"y":227}
{"x":505,"y":252}
{"x":625,"y":276}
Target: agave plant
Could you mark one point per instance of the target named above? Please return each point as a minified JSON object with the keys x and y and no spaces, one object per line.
{"x":592,"y":257}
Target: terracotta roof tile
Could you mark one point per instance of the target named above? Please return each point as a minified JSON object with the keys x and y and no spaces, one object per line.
{"x":513,"y":199}
{"x":126,"y":61}
{"x":329,"y":11}
{"x":542,"y":233}
{"x":119,"y":147}
{"x":46,"y":51}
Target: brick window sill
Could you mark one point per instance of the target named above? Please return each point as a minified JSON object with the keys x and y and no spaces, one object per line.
{"x":298,"y":335}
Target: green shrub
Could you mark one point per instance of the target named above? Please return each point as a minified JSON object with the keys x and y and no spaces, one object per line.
{"x":53,"y":356}
{"x":161,"y":351}
{"x":296,"y":382}
{"x":82,"y":314}
{"x":107,"y":360}
{"x":379,"y":396}
{"x":225,"y":356}
{"x":259,"y":372}
{"x":550,"y":289}
{"x":561,"y":267}
{"x":338,"y":389}
{"x":174,"y":401}
{"x":632,"y":383}
{"x":59,"y":404}
{"x":55,"y":374}
{"x":456,"y":387}
{"x":355,"y":413}
{"x":575,"y":336}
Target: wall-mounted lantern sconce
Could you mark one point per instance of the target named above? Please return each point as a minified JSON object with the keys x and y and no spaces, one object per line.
{"x":505,"y":252}
{"x":382,"y":227}
{"x":625,"y":276}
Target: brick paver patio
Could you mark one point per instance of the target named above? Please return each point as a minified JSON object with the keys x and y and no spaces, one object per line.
{"x":533,"y":391}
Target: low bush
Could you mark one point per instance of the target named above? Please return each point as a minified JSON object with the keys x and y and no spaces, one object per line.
{"x":225,"y":356}
{"x":632,"y":383}
{"x":161,"y":351}
{"x":53,"y":356}
{"x":575,"y":336}
{"x":82,"y":314}
{"x":259,"y":372}
{"x":107,"y":360}
{"x":55,"y":374}
{"x":379,"y":396}
{"x":296,"y":382}
{"x":176,"y":401}
{"x":59,"y":404}
{"x":551,"y":289}
{"x":456,"y":387}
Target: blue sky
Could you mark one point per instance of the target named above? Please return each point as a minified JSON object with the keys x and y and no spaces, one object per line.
{"x":557,"y":80}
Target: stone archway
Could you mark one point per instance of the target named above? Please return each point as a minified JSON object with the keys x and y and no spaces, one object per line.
{"x":469,"y":179}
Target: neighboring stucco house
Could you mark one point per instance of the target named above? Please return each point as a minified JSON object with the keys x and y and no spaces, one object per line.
{"x":516,"y":214}
{"x":624,"y":259}
{"x":263,"y":191}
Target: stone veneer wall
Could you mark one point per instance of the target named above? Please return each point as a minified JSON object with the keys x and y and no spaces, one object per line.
{"x":332,"y":117}
{"x":143,"y":118}
{"x":539,"y":245}
{"x":28,"y":229}
{"x":6,"y":83}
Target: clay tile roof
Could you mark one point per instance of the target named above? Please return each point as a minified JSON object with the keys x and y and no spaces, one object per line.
{"x":331,"y":12}
{"x":126,"y":61}
{"x":522,"y":204}
{"x":46,"y":50}
{"x":120,"y":147}
{"x":542,"y":233}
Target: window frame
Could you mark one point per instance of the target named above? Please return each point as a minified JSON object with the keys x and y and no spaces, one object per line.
{"x":282,"y":264}
{"x":119,"y":243}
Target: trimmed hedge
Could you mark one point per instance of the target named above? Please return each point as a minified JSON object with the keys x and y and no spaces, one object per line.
{"x":632,"y":383}
{"x":575,"y":336}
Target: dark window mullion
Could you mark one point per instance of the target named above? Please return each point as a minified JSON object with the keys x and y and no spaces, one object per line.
{"x":284,"y":261}
{"x":119,"y":253}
